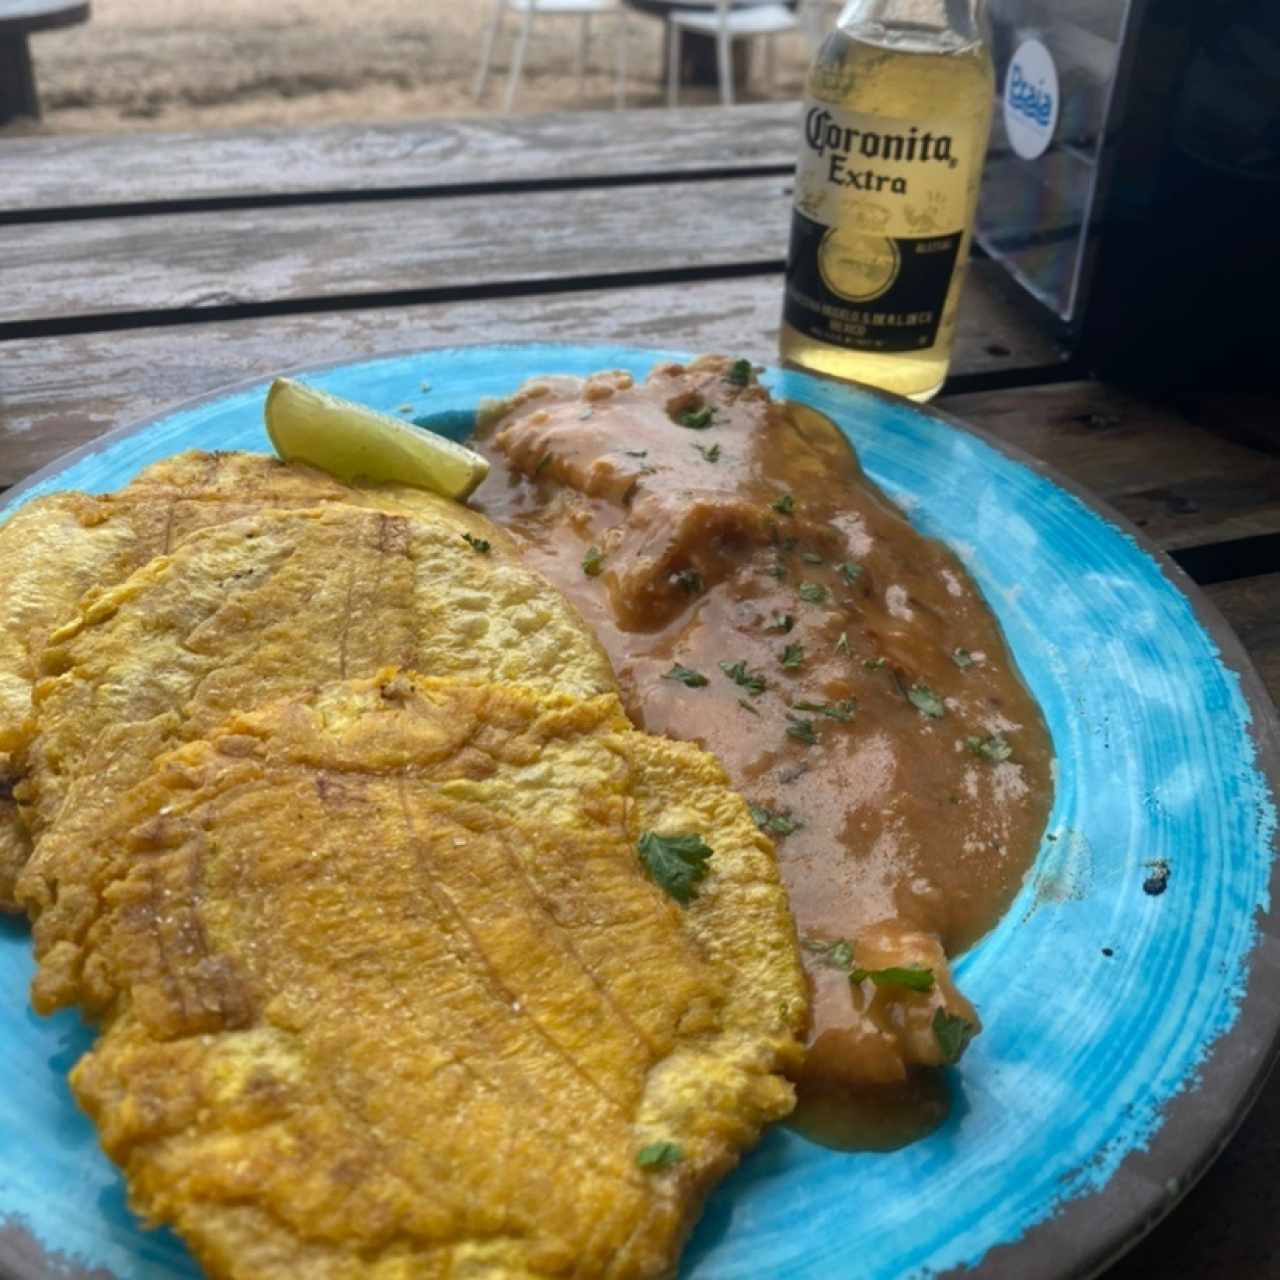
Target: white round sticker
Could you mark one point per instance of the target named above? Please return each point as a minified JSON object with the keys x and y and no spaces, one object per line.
{"x":1031,"y":100}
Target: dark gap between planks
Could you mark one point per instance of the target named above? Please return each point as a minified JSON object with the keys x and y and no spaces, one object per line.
{"x":213,"y":204}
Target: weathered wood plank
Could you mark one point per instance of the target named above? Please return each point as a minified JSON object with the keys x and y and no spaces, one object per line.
{"x":1180,"y":484}
{"x":235,"y":257}
{"x":59,"y":393}
{"x":1252,"y":607}
{"x":63,"y":172}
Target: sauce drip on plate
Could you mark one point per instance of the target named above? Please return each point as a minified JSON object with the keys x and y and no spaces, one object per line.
{"x":759,"y":595}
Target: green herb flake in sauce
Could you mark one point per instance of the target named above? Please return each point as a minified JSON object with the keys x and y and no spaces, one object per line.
{"x":659,"y":1155}
{"x":778,"y":570}
{"x":739,"y":373}
{"x":962,"y":658}
{"x":479,"y":545}
{"x":784,"y":505}
{"x":994,"y":748}
{"x":771,"y":823}
{"x":696,"y":419}
{"x":914,"y":978}
{"x":636,"y":453}
{"x":842,"y":645}
{"x":842,"y":710}
{"x":688,"y":580}
{"x":874,"y":664}
{"x":810,"y":557}
{"x":953,"y":1034}
{"x":687,"y":676}
{"x":710,"y":452}
{"x":746,"y":706}
{"x":792,"y":657}
{"x":544,"y":461}
{"x":593,"y":562}
{"x":780,"y":622}
{"x":802,"y":731}
{"x":752,"y":682}
{"x":585,"y":414}
{"x":675,"y":863}
{"x":812,"y":593}
{"x":925,"y":700}
{"x":849,"y":572}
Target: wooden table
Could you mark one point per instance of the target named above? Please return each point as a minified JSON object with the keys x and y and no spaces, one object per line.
{"x":144,"y":271}
{"x":18,"y":19}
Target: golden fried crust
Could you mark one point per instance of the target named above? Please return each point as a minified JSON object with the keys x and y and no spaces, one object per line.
{"x":386,"y":992}
{"x":246,"y":612}
{"x":55,"y":549}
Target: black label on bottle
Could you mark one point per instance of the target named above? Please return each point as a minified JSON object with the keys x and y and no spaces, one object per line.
{"x":866,"y":291}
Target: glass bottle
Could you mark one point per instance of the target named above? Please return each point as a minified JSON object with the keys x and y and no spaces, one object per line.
{"x":897,"y":114}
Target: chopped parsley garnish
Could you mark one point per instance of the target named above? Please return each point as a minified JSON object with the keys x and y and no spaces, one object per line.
{"x":842,"y":645}
{"x":675,"y":863}
{"x":953,"y":1034}
{"x":914,"y":978}
{"x":710,"y":452}
{"x":925,"y":700}
{"x":739,"y":373}
{"x":802,"y":731}
{"x":542,"y":462}
{"x":479,"y":545}
{"x":696,"y":419}
{"x":842,"y":710}
{"x":746,"y":706}
{"x":688,"y":581}
{"x":779,"y":570}
{"x":686,"y":676}
{"x":771,"y":823}
{"x":812,"y":592}
{"x":785,"y":505}
{"x":834,"y":955}
{"x":874,"y":664}
{"x":792,"y":657}
{"x":752,"y":682}
{"x":994,"y":748}
{"x":636,"y":453}
{"x":659,"y":1155}
{"x":849,"y":572}
{"x":962,"y":658}
{"x":780,"y":622}
{"x":593,"y":562}
{"x":810,"y":557}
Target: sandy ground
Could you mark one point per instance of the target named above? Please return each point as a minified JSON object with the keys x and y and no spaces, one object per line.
{"x":182,"y":64}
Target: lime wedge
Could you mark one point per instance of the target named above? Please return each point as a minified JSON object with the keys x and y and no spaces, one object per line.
{"x":354,"y":442}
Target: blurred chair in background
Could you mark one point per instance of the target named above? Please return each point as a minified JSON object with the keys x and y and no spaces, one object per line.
{"x":584,"y":11}
{"x":731,"y":20}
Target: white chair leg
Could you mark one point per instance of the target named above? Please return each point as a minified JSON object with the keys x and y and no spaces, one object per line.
{"x":584,"y":43}
{"x":517,"y":60}
{"x":724,"y":64}
{"x":673,"y":64}
{"x":486,"y":55}
{"x":622,"y":36}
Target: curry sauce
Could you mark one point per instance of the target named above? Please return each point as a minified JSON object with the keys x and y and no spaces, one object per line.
{"x":757,"y":594}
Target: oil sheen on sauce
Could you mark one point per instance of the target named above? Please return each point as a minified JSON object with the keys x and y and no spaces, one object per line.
{"x":757,"y":594}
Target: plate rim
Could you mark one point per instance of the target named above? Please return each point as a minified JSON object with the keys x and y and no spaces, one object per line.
{"x":1082,"y":1237}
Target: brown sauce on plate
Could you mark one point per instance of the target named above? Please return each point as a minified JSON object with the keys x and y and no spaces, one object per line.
{"x":759,"y":595}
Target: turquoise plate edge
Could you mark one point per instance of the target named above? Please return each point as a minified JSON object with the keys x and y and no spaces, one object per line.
{"x":1085,"y":1055}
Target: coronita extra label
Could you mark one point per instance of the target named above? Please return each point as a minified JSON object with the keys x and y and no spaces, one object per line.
{"x":880,"y":209}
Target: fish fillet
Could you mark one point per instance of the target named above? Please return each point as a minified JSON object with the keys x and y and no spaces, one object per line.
{"x":239,"y":614}
{"x":386,"y":992}
{"x":55,"y":549}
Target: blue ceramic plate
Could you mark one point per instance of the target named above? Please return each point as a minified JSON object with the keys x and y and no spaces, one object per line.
{"x":1125,"y":1031}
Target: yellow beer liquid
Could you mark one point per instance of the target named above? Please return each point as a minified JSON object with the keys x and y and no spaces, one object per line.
{"x":912,"y":76}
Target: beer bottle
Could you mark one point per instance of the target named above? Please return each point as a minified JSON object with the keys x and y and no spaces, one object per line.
{"x":896,"y":116}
